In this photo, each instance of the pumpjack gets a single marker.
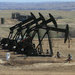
(22, 42)
(5, 41)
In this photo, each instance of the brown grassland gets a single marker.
(21, 65)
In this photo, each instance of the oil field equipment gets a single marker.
(22, 41)
(11, 38)
(4, 41)
(2, 21)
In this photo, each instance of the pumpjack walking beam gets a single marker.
(43, 22)
(66, 31)
(29, 24)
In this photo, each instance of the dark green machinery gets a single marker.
(2, 21)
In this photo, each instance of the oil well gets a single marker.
(20, 38)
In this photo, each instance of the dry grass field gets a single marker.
(67, 17)
(21, 65)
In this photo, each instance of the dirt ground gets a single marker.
(21, 65)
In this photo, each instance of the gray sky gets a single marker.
(36, 0)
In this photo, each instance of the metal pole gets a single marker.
(41, 49)
(50, 43)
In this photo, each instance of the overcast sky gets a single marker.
(36, 0)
